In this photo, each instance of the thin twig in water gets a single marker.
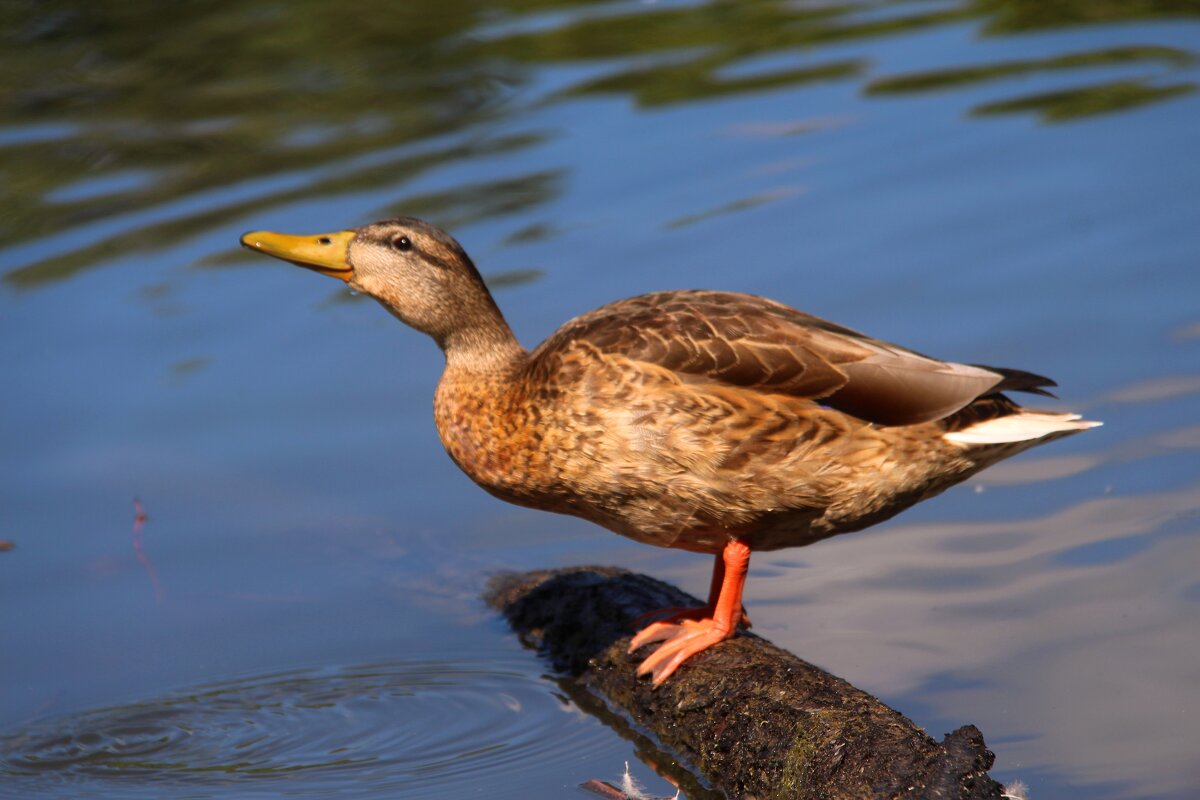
(604, 789)
(629, 789)
(139, 519)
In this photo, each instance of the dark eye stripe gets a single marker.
(438, 261)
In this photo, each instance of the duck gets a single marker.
(709, 421)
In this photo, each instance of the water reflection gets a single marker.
(1086, 101)
(172, 222)
(210, 98)
(951, 78)
(106, 119)
(1062, 105)
(393, 727)
(744, 204)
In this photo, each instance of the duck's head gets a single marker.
(417, 271)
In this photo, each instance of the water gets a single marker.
(999, 182)
(411, 727)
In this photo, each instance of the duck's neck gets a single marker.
(474, 399)
(481, 349)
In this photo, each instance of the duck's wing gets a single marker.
(761, 345)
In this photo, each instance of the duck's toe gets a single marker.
(667, 622)
(654, 632)
(680, 643)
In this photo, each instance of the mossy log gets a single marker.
(753, 720)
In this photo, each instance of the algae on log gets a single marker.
(754, 720)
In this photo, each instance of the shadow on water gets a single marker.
(388, 727)
(237, 108)
(648, 752)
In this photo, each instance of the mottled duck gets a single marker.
(708, 421)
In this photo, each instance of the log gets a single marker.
(752, 719)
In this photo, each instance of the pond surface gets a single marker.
(294, 612)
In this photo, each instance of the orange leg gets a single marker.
(689, 633)
(673, 614)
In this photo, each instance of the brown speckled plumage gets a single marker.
(660, 418)
(687, 419)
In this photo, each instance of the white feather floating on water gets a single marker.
(629, 789)
(1016, 790)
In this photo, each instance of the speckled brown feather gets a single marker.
(684, 419)
(759, 344)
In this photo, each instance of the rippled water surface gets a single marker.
(408, 728)
(236, 562)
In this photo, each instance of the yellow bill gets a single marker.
(326, 253)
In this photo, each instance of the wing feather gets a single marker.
(758, 344)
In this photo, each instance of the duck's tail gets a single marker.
(1024, 425)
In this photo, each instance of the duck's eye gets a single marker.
(402, 243)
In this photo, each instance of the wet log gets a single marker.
(752, 719)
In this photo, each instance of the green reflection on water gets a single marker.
(223, 94)
(229, 109)
(1088, 100)
(953, 78)
(1016, 16)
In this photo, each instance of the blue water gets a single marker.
(996, 182)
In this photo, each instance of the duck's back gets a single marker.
(760, 345)
(684, 418)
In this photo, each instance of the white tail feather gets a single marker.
(1022, 427)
